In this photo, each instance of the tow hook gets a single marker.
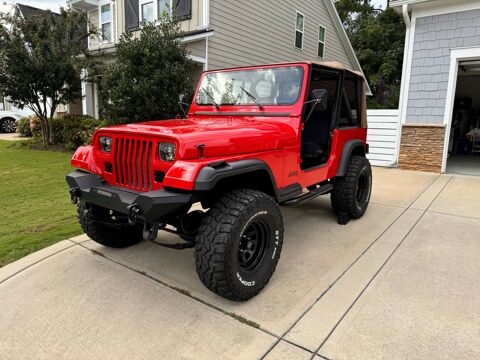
(133, 211)
(150, 230)
(74, 194)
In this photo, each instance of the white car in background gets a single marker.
(8, 121)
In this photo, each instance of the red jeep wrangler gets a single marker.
(254, 138)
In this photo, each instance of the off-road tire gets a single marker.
(345, 197)
(220, 260)
(92, 225)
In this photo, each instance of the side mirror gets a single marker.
(183, 106)
(321, 98)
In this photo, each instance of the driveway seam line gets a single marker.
(282, 337)
(381, 267)
(454, 215)
(38, 261)
(298, 346)
(322, 356)
(183, 292)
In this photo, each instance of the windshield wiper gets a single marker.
(211, 97)
(252, 97)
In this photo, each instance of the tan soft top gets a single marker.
(329, 64)
(336, 65)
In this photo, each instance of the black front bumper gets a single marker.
(153, 205)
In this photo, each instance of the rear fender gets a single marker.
(352, 147)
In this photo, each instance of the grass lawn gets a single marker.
(36, 209)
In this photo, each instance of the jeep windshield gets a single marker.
(267, 86)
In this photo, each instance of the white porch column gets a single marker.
(87, 96)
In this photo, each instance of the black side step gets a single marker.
(322, 190)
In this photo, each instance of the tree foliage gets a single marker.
(41, 57)
(377, 37)
(151, 71)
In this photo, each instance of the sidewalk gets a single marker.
(11, 137)
(402, 282)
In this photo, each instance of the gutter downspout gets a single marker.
(403, 87)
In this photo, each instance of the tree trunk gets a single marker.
(46, 130)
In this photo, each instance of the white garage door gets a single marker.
(383, 137)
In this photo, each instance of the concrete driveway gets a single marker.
(402, 282)
(11, 137)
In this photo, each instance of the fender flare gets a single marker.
(210, 175)
(347, 151)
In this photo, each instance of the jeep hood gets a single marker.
(220, 135)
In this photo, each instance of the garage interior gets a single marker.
(464, 141)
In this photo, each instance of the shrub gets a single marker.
(69, 130)
(77, 130)
(23, 127)
(36, 128)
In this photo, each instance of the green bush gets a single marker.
(23, 127)
(69, 130)
(35, 128)
(77, 130)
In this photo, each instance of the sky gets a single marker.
(54, 5)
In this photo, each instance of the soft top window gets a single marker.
(262, 86)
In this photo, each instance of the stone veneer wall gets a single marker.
(421, 147)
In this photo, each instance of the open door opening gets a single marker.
(464, 140)
(318, 117)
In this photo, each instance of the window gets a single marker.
(147, 11)
(321, 41)
(299, 25)
(350, 109)
(106, 21)
(164, 8)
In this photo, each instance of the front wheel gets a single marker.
(351, 193)
(107, 228)
(239, 243)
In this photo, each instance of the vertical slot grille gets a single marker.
(132, 163)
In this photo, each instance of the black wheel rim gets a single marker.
(362, 187)
(253, 245)
(8, 126)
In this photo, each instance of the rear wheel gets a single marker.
(239, 243)
(351, 193)
(8, 125)
(107, 228)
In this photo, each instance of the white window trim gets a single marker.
(302, 32)
(324, 40)
(156, 15)
(112, 35)
(155, 10)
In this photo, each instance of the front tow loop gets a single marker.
(150, 230)
(133, 211)
(74, 194)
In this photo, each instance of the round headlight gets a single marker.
(167, 151)
(106, 143)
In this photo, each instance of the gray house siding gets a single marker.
(196, 48)
(435, 36)
(261, 32)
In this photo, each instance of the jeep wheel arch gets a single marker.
(254, 174)
(352, 147)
